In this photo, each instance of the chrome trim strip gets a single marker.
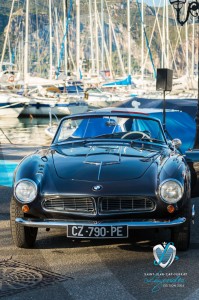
(193, 212)
(99, 171)
(130, 223)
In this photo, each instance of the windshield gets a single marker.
(110, 127)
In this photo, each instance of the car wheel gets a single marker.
(23, 237)
(180, 235)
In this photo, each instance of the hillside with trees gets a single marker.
(116, 11)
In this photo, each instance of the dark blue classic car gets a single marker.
(105, 173)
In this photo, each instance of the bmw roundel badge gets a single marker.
(97, 188)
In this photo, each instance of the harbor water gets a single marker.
(24, 131)
(19, 137)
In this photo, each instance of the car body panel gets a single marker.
(103, 163)
(108, 173)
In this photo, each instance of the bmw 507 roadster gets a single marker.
(105, 173)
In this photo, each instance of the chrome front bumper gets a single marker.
(130, 223)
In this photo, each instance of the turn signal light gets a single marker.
(25, 208)
(170, 209)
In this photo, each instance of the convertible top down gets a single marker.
(105, 173)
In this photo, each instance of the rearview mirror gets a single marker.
(177, 143)
(111, 123)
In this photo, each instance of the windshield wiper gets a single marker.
(104, 135)
(72, 141)
(149, 139)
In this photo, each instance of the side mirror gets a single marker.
(177, 143)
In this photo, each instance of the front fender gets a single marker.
(32, 167)
(175, 167)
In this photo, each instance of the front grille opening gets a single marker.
(76, 205)
(125, 204)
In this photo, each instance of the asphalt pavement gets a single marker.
(61, 268)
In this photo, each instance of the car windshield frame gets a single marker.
(101, 115)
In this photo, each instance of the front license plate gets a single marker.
(79, 231)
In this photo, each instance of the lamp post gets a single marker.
(192, 10)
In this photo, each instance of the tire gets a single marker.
(180, 235)
(23, 237)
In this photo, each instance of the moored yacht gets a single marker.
(11, 105)
(97, 98)
(41, 99)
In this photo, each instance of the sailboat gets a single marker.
(40, 104)
(11, 105)
(38, 99)
(42, 100)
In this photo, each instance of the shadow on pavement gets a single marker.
(5, 195)
(139, 240)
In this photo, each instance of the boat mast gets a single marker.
(21, 64)
(142, 34)
(78, 38)
(57, 37)
(38, 42)
(105, 46)
(193, 46)
(26, 48)
(7, 33)
(187, 48)
(129, 37)
(163, 36)
(50, 38)
(102, 38)
(91, 34)
(116, 42)
(167, 35)
(65, 40)
(110, 43)
(96, 37)
(10, 53)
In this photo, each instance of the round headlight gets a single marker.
(26, 190)
(171, 191)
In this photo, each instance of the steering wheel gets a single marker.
(143, 134)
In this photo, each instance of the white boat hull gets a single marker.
(99, 100)
(61, 108)
(11, 105)
(13, 112)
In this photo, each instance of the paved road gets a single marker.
(70, 269)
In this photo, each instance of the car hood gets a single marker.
(103, 163)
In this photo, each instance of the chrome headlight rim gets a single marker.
(26, 180)
(172, 180)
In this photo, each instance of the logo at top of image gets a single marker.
(164, 255)
(96, 188)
